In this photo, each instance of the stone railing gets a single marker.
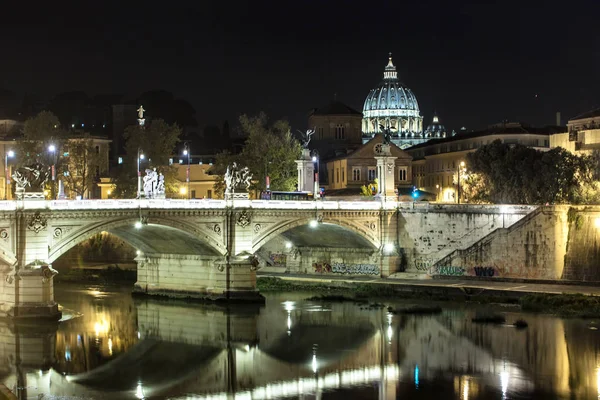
(123, 204)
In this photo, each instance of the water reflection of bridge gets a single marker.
(297, 348)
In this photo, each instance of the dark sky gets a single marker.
(475, 64)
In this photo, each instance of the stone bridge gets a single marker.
(207, 248)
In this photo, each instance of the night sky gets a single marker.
(475, 64)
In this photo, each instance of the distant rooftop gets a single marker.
(335, 108)
(588, 114)
(514, 128)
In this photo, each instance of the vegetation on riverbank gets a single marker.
(112, 274)
(564, 305)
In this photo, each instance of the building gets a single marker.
(436, 163)
(435, 129)
(349, 173)
(392, 105)
(582, 136)
(337, 129)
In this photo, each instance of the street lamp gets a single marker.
(52, 150)
(140, 156)
(8, 154)
(186, 152)
(460, 166)
(439, 192)
(315, 159)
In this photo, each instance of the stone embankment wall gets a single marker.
(555, 243)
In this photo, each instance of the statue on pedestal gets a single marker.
(387, 134)
(306, 137)
(154, 184)
(30, 181)
(236, 178)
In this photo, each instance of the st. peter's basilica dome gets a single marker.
(393, 105)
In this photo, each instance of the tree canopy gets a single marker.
(270, 150)
(515, 174)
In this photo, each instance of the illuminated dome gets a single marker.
(393, 105)
(435, 129)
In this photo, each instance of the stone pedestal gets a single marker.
(201, 277)
(386, 167)
(306, 172)
(29, 293)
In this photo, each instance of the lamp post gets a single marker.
(315, 159)
(439, 192)
(8, 154)
(140, 156)
(460, 166)
(186, 152)
(52, 150)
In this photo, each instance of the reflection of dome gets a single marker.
(393, 105)
(435, 129)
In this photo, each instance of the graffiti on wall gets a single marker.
(341, 268)
(484, 271)
(361, 269)
(423, 264)
(278, 259)
(447, 270)
(322, 268)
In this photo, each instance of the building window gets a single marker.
(342, 174)
(402, 173)
(372, 175)
(120, 160)
(356, 174)
(339, 132)
(209, 194)
(97, 149)
(337, 175)
(320, 132)
(193, 194)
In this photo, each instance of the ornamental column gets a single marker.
(306, 172)
(386, 165)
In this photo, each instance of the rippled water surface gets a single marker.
(112, 346)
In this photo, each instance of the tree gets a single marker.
(83, 165)
(515, 174)
(39, 133)
(270, 150)
(157, 141)
(370, 190)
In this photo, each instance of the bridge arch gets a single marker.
(158, 235)
(369, 239)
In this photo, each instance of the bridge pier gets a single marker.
(196, 276)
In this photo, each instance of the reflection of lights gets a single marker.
(79, 340)
(67, 353)
(598, 380)
(289, 322)
(296, 388)
(110, 346)
(139, 391)
(139, 335)
(138, 225)
(289, 305)
(315, 365)
(597, 222)
(313, 223)
(416, 375)
(389, 328)
(466, 389)
(101, 328)
(504, 383)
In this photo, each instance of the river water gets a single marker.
(110, 345)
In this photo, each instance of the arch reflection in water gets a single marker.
(216, 352)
